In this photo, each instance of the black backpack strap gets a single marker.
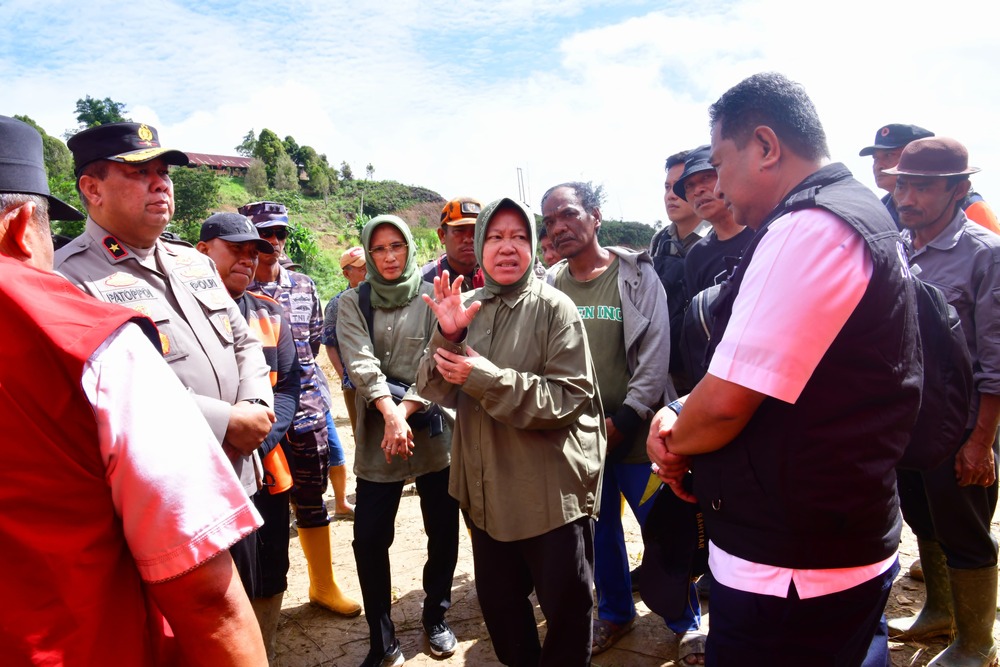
(365, 303)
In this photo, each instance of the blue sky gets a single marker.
(456, 95)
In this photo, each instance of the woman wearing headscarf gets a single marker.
(382, 330)
(512, 359)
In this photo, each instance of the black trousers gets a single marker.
(937, 509)
(834, 630)
(374, 530)
(262, 557)
(272, 543)
(559, 566)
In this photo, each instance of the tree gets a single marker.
(292, 149)
(248, 145)
(58, 159)
(268, 149)
(91, 112)
(319, 179)
(256, 179)
(306, 157)
(345, 172)
(286, 174)
(369, 171)
(196, 193)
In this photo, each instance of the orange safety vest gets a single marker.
(265, 323)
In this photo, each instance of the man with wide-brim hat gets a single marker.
(22, 169)
(890, 140)
(950, 508)
(95, 415)
(23, 181)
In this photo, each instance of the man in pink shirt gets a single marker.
(814, 385)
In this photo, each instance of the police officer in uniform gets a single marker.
(124, 183)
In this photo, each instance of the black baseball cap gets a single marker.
(697, 160)
(121, 142)
(235, 228)
(22, 167)
(895, 135)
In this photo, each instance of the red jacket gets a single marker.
(73, 594)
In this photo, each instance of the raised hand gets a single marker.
(452, 315)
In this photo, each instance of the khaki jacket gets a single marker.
(529, 431)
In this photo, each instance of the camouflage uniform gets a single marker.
(308, 436)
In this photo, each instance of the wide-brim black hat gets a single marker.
(121, 142)
(22, 167)
(697, 160)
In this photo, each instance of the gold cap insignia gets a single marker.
(145, 133)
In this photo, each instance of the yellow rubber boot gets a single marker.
(323, 588)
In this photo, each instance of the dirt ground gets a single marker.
(311, 637)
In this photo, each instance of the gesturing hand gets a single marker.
(452, 315)
(455, 368)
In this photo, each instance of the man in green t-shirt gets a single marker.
(624, 309)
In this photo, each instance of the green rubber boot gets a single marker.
(936, 618)
(975, 596)
(268, 613)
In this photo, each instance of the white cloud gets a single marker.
(455, 95)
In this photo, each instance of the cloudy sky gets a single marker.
(458, 95)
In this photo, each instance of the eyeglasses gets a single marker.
(393, 248)
(281, 233)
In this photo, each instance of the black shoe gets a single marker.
(441, 639)
(393, 657)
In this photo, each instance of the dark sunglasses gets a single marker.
(281, 233)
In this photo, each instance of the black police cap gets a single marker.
(121, 142)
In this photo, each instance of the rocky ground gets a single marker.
(311, 637)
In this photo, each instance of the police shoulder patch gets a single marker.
(114, 247)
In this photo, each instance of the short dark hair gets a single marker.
(676, 159)
(589, 196)
(542, 232)
(773, 100)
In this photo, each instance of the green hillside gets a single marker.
(324, 227)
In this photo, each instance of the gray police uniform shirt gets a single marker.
(204, 338)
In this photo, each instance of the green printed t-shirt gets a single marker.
(600, 306)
